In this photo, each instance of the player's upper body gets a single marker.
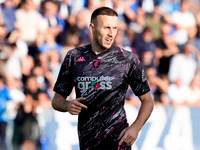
(101, 73)
(103, 80)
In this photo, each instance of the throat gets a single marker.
(98, 49)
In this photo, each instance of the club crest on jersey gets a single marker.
(96, 63)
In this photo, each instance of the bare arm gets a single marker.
(129, 135)
(74, 107)
(145, 110)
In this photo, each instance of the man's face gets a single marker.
(104, 31)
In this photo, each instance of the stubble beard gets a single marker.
(103, 48)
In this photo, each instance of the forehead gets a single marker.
(107, 20)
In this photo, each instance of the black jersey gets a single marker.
(103, 80)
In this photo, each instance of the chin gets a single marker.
(107, 46)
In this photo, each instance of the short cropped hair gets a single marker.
(103, 11)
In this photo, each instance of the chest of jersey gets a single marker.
(94, 73)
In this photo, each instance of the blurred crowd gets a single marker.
(35, 35)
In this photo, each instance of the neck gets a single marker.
(97, 49)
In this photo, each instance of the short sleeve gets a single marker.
(65, 80)
(137, 77)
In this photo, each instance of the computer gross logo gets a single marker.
(95, 83)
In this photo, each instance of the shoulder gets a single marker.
(79, 50)
(130, 57)
(73, 54)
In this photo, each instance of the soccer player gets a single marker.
(101, 73)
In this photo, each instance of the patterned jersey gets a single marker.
(103, 80)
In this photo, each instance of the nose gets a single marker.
(110, 32)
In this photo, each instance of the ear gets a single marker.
(91, 28)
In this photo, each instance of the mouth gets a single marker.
(109, 41)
